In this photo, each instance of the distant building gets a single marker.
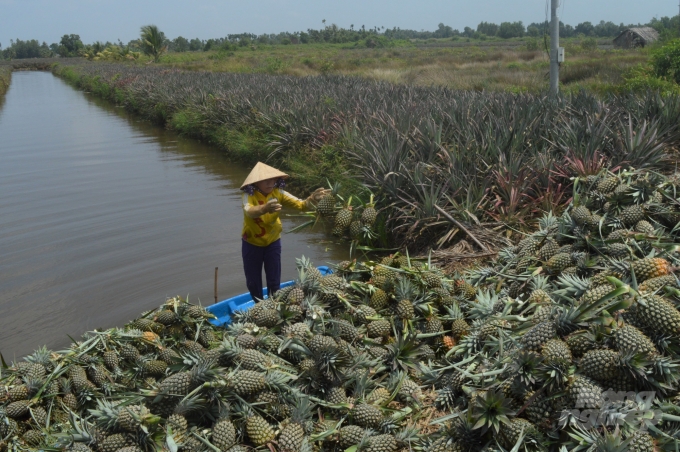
(636, 37)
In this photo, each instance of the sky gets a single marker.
(110, 20)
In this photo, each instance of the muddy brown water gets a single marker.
(103, 216)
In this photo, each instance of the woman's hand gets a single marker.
(271, 206)
(318, 194)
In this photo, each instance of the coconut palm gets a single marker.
(153, 42)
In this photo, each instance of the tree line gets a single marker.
(376, 36)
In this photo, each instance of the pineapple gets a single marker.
(548, 250)
(584, 393)
(630, 339)
(658, 314)
(631, 215)
(223, 434)
(538, 335)
(259, 431)
(350, 435)
(18, 409)
(246, 382)
(651, 268)
(296, 296)
(382, 443)
(510, 433)
(378, 328)
(404, 294)
(601, 365)
(556, 351)
(653, 284)
(369, 215)
(608, 184)
(115, 442)
(326, 205)
(111, 360)
(366, 415)
(580, 215)
(559, 262)
(645, 227)
(379, 299)
(459, 328)
(292, 435)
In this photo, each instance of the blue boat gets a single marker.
(225, 308)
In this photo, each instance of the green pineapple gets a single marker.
(18, 409)
(404, 295)
(641, 442)
(366, 415)
(459, 328)
(223, 434)
(658, 314)
(601, 365)
(653, 284)
(115, 442)
(336, 395)
(548, 250)
(369, 214)
(350, 435)
(378, 328)
(608, 184)
(296, 296)
(259, 431)
(645, 227)
(246, 382)
(584, 393)
(382, 443)
(33, 438)
(379, 396)
(326, 205)
(630, 339)
(510, 433)
(580, 215)
(167, 317)
(631, 215)
(293, 433)
(538, 335)
(559, 262)
(556, 351)
(379, 299)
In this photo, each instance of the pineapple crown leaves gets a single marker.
(107, 413)
(404, 352)
(491, 409)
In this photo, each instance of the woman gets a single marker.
(263, 198)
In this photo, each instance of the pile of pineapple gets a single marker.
(393, 355)
(354, 222)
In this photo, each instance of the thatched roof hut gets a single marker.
(636, 37)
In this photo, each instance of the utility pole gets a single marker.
(556, 52)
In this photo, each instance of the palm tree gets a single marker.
(153, 42)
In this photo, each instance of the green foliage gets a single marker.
(5, 77)
(153, 42)
(26, 49)
(70, 46)
(589, 44)
(666, 61)
(642, 79)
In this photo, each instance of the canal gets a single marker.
(103, 216)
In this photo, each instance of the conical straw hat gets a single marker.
(262, 172)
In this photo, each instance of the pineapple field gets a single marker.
(486, 159)
(567, 340)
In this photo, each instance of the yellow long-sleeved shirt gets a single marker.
(266, 229)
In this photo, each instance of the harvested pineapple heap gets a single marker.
(394, 355)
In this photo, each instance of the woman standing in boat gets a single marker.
(263, 197)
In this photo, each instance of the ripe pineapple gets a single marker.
(644, 227)
(608, 184)
(559, 262)
(246, 382)
(654, 284)
(350, 435)
(18, 409)
(404, 294)
(648, 268)
(556, 351)
(548, 250)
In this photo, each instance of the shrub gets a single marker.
(666, 61)
(589, 44)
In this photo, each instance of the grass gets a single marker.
(493, 65)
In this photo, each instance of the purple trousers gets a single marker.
(254, 257)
